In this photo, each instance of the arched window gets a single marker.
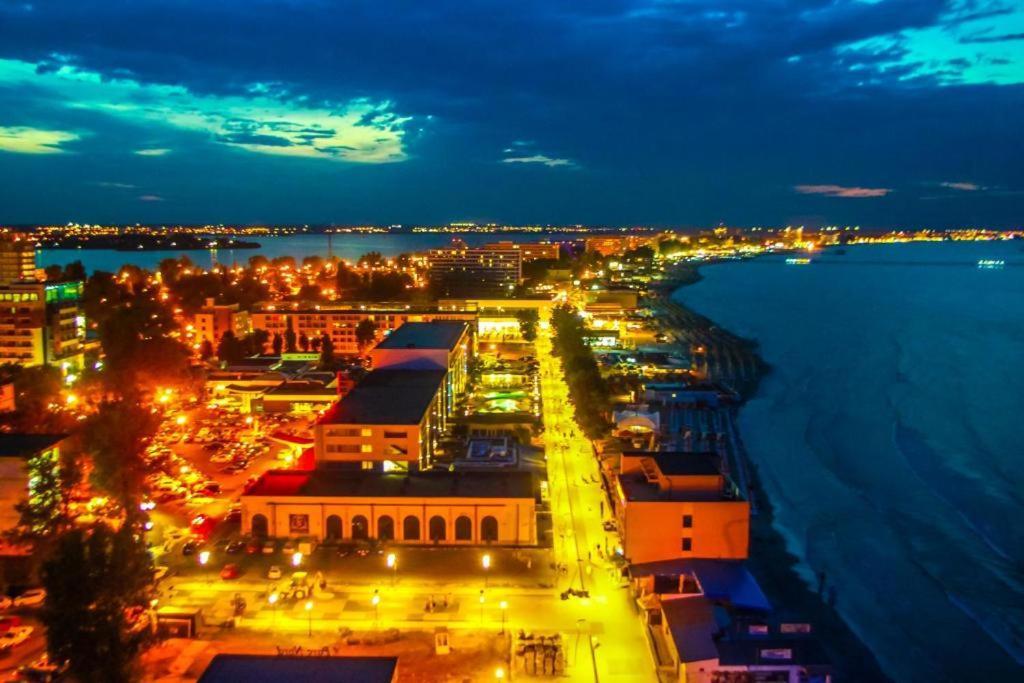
(463, 528)
(488, 529)
(333, 528)
(438, 531)
(385, 528)
(259, 526)
(411, 528)
(360, 528)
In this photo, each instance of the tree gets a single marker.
(326, 351)
(304, 342)
(115, 438)
(528, 320)
(230, 349)
(95, 580)
(371, 259)
(289, 337)
(35, 389)
(277, 344)
(206, 350)
(366, 334)
(53, 475)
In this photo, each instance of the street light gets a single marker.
(204, 558)
(296, 559)
(504, 606)
(486, 561)
(499, 673)
(309, 617)
(376, 607)
(392, 562)
(272, 599)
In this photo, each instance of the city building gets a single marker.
(678, 505)
(437, 345)
(531, 251)
(612, 245)
(42, 323)
(231, 668)
(464, 271)
(213, 320)
(340, 322)
(424, 508)
(17, 258)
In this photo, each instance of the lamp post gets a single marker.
(204, 558)
(392, 562)
(376, 608)
(504, 607)
(486, 562)
(309, 618)
(483, 599)
(272, 599)
(296, 559)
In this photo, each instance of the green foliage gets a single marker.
(528, 319)
(588, 390)
(93, 580)
(45, 514)
(366, 333)
(115, 437)
(35, 389)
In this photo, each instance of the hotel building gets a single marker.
(462, 271)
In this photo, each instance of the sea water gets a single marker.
(890, 437)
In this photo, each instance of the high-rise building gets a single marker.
(531, 251)
(464, 271)
(17, 258)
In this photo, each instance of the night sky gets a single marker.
(891, 113)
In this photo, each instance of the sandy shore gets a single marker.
(771, 562)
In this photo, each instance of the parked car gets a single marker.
(230, 571)
(189, 548)
(289, 547)
(5, 603)
(269, 548)
(41, 669)
(274, 572)
(254, 547)
(235, 547)
(33, 597)
(160, 572)
(15, 636)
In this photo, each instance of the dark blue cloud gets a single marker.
(665, 112)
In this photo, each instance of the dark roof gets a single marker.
(770, 651)
(692, 623)
(25, 445)
(686, 464)
(277, 668)
(358, 484)
(388, 397)
(301, 388)
(725, 581)
(439, 334)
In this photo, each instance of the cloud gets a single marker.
(963, 187)
(358, 130)
(992, 39)
(841, 191)
(113, 185)
(150, 198)
(153, 152)
(551, 162)
(28, 140)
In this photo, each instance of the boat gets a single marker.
(797, 261)
(991, 264)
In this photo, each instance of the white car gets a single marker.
(14, 636)
(274, 572)
(160, 572)
(33, 597)
(5, 603)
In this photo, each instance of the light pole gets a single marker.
(393, 566)
(483, 599)
(309, 618)
(376, 608)
(204, 558)
(504, 607)
(296, 559)
(272, 599)
(486, 562)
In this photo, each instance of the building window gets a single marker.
(298, 524)
(366, 432)
(687, 545)
(366, 448)
(411, 528)
(687, 521)
(394, 435)
(463, 528)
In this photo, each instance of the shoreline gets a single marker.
(771, 562)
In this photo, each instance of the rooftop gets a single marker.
(726, 581)
(275, 668)
(388, 397)
(680, 463)
(439, 334)
(327, 483)
(26, 445)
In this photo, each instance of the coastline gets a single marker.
(771, 562)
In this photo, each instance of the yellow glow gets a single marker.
(25, 140)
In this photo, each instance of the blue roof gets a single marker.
(726, 581)
(316, 669)
(439, 334)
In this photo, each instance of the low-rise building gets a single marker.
(213, 320)
(679, 505)
(18, 453)
(437, 345)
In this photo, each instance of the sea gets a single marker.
(347, 246)
(889, 435)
